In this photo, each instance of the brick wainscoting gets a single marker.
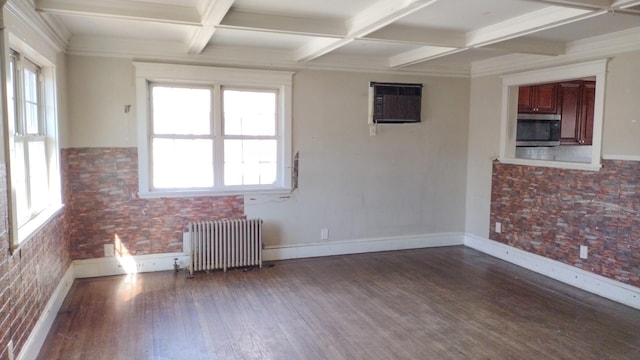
(28, 276)
(100, 192)
(551, 212)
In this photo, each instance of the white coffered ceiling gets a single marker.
(395, 35)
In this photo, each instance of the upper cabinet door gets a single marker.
(525, 99)
(540, 99)
(570, 93)
(586, 112)
(576, 104)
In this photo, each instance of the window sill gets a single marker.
(198, 193)
(552, 164)
(26, 231)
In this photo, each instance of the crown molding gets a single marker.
(52, 32)
(581, 50)
(242, 56)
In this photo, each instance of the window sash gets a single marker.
(217, 78)
(191, 168)
(30, 162)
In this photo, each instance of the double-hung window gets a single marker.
(205, 130)
(33, 161)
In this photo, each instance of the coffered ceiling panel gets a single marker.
(392, 35)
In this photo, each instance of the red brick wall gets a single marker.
(29, 276)
(551, 212)
(100, 189)
(98, 186)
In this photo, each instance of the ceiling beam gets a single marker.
(213, 12)
(621, 6)
(584, 4)
(529, 23)
(374, 17)
(118, 9)
(498, 36)
(421, 54)
(626, 6)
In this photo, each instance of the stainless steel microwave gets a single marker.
(538, 130)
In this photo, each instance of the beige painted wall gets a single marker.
(620, 133)
(407, 180)
(484, 147)
(98, 90)
(62, 103)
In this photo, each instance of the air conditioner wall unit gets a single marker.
(395, 102)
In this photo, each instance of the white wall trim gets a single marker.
(40, 331)
(622, 157)
(596, 284)
(585, 280)
(361, 246)
(117, 265)
(510, 84)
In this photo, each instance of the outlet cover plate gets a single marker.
(584, 250)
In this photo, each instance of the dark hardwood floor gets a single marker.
(438, 303)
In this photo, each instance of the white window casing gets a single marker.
(47, 201)
(217, 79)
(510, 84)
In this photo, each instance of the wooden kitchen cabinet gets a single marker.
(576, 102)
(538, 99)
(588, 104)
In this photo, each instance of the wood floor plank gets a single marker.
(440, 303)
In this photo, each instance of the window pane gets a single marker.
(19, 182)
(11, 91)
(31, 101)
(183, 111)
(249, 113)
(268, 173)
(31, 118)
(250, 162)
(233, 174)
(38, 179)
(233, 151)
(180, 163)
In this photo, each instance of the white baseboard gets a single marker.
(38, 335)
(361, 246)
(605, 287)
(621, 157)
(585, 280)
(117, 265)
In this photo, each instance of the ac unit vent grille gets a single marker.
(396, 102)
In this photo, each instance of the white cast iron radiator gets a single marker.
(225, 244)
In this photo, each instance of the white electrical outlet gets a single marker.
(109, 250)
(324, 234)
(10, 353)
(498, 227)
(584, 251)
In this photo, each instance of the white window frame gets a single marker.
(147, 73)
(510, 85)
(49, 122)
